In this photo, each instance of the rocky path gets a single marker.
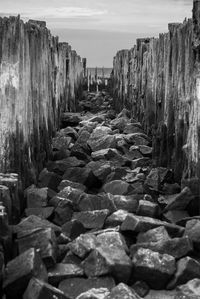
(103, 222)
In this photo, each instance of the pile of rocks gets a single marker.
(103, 222)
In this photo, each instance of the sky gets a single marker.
(97, 29)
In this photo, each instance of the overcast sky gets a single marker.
(98, 28)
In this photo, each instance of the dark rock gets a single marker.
(43, 240)
(19, 271)
(70, 119)
(43, 213)
(142, 224)
(100, 169)
(38, 289)
(61, 166)
(147, 208)
(179, 201)
(170, 189)
(92, 219)
(69, 131)
(158, 176)
(117, 187)
(32, 223)
(175, 216)
(154, 268)
(49, 179)
(72, 229)
(61, 142)
(63, 271)
(153, 235)
(81, 175)
(187, 269)
(37, 197)
(117, 218)
(128, 203)
(105, 154)
(137, 139)
(73, 287)
(63, 212)
(141, 288)
(123, 291)
(66, 183)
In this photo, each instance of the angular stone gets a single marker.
(153, 235)
(72, 229)
(43, 240)
(176, 247)
(128, 203)
(33, 223)
(170, 189)
(43, 213)
(105, 154)
(192, 230)
(82, 245)
(141, 288)
(190, 290)
(100, 169)
(61, 142)
(145, 150)
(109, 257)
(187, 269)
(117, 187)
(37, 197)
(154, 268)
(49, 179)
(19, 271)
(175, 216)
(102, 142)
(123, 291)
(63, 271)
(70, 119)
(115, 219)
(179, 201)
(73, 287)
(67, 183)
(132, 128)
(69, 131)
(137, 139)
(38, 289)
(92, 219)
(147, 208)
(61, 166)
(63, 212)
(157, 176)
(80, 175)
(100, 293)
(142, 224)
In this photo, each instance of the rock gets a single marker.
(109, 257)
(37, 197)
(190, 290)
(141, 288)
(43, 240)
(73, 287)
(73, 228)
(179, 201)
(82, 245)
(100, 169)
(147, 208)
(100, 293)
(61, 142)
(117, 187)
(132, 128)
(63, 212)
(69, 131)
(70, 119)
(71, 258)
(117, 218)
(142, 224)
(105, 154)
(158, 176)
(175, 216)
(19, 271)
(118, 123)
(49, 179)
(192, 230)
(61, 166)
(92, 219)
(153, 294)
(145, 150)
(153, 235)
(140, 162)
(170, 189)
(33, 223)
(154, 268)
(63, 271)
(123, 291)
(187, 269)
(81, 175)
(102, 142)
(128, 203)
(176, 247)
(43, 213)
(38, 289)
(67, 183)
(137, 139)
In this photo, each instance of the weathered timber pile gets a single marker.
(39, 78)
(103, 222)
(158, 79)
